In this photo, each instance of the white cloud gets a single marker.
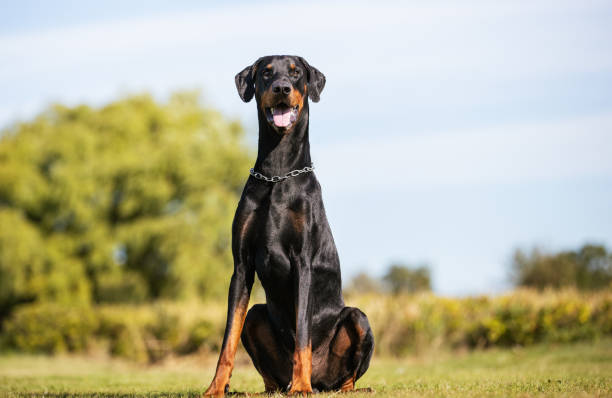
(508, 37)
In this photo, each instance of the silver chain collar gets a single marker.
(293, 173)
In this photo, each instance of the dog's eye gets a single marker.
(294, 73)
(266, 73)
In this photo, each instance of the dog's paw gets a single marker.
(299, 389)
(215, 391)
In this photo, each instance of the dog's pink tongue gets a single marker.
(282, 116)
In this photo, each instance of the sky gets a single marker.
(448, 133)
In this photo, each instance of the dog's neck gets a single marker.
(278, 154)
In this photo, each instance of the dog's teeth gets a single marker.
(272, 109)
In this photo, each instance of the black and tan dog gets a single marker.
(304, 338)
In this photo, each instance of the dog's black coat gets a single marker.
(303, 337)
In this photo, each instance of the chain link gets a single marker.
(292, 173)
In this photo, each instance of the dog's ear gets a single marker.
(316, 81)
(245, 82)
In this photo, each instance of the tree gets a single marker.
(588, 268)
(403, 279)
(364, 283)
(33, 269)
(131, 201)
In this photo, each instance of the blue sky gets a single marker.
(448, 133)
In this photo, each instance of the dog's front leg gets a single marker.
(239, 292)
(302, 356)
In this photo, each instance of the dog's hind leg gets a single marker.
(350, 351)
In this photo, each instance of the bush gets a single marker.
(402, 325)
(203, 334)
(50, 329)
(413, 323)
(145, 333)
(124, 330)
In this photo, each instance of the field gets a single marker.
(580, 369)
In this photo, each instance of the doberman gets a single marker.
(304, 338)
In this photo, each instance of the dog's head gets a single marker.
(281, 85)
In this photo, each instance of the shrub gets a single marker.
(203, 334)
(402, 324)
(50, 329)
(123, 328)
(413, 323)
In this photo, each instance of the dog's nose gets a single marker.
(281, 87)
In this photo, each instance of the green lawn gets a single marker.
(583, 369)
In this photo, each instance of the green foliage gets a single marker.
(203, 334)
(588, 268)
(402, 279)
(122, 287)
(33, 268)
(143, 334)
(412, 323)
(50, 329)
(363, 283)
(124, 329)
(402, 324)
(126, 203)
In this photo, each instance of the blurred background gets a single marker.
(462, 148)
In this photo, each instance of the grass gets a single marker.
(582, 369)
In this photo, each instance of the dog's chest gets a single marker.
(280, 234)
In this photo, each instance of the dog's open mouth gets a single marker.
(281, 115)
